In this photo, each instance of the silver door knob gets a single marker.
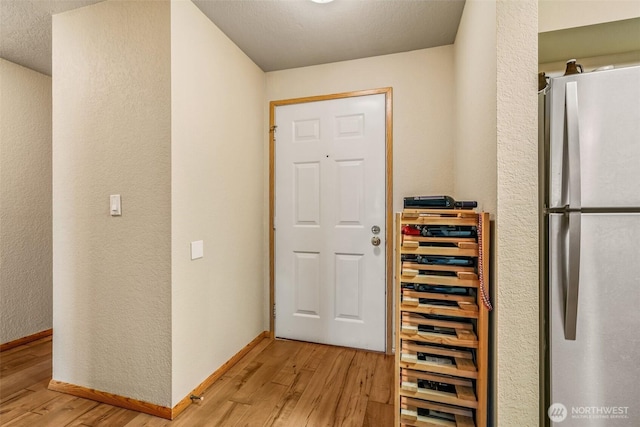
(375, 241)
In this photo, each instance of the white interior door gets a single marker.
(329, 193)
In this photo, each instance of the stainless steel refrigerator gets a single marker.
(591, 223)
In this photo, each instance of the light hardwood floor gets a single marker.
(278, 383)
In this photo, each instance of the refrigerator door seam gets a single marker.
(598, 210)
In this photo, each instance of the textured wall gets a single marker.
(475, 88)
(112, 135)
(560, 14)
(423, 111)
(475, 159)
(517, 231)
(217, 196)
(25, 202)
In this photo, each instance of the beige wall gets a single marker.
(496, 160)
(609, 43)
(475, 96)
(561, 14)
(475, 159)
(25, 202)
(517, 313)
(217, 196)
(112, 135)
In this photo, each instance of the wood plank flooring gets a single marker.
(278, 383)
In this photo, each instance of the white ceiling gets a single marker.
(25, 30)
(275, 34)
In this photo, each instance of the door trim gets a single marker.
(389, 197)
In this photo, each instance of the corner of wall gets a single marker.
(517, 306)
(475, 97)
(111, 135)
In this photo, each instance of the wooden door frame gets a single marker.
(388, 92)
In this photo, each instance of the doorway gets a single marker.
(330, 210)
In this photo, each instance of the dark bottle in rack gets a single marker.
(438, 260)
(437, 202)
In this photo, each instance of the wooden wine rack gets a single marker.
(461, 400)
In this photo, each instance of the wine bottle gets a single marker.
(429, 202)
(437, 202)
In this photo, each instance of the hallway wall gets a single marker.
(112, 135)
(217, 97)
(25, 202)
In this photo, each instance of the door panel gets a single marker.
(348, 283)
(609, 124)
(307, 284)
(306, 131)
(350, 192)
(330, 163)
(599, 369)
(350, 126)
(307, 193)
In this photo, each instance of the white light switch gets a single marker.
(197, 249)
(114, 205)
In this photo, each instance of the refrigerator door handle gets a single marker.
(573, 142)
(573, 279)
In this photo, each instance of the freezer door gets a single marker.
(594, 138)
(595, 378)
